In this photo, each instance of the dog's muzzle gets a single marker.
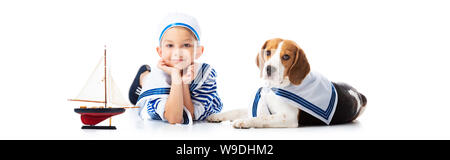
(270, 69)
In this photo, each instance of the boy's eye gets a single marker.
(169, 45)
(187, 45)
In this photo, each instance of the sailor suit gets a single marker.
(156, 89)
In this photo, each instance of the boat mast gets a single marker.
(106, 96)
(106, 92)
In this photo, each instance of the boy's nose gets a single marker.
(176, 52)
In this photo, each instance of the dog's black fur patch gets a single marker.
(346, 108)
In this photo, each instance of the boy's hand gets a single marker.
(169, 70)
(163, 66)
(189, 74)
(182, 65)
(174, 72)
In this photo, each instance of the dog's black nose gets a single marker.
(270, 69)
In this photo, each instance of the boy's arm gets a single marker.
(187, 78)
(173, 110)
(187, 101)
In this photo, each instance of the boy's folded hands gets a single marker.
(186, 70)
(163, 66)
(189, 74)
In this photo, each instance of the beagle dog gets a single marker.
(293, 95)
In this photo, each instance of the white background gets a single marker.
(395, 52)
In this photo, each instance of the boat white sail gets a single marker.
(116, 97)
(100, 88)
(94, 89)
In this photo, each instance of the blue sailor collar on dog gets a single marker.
(316, 95)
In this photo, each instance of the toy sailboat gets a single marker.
(100, 88)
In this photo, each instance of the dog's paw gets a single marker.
(242, 124)
(215, 118)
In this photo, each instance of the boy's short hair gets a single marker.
(179, 20)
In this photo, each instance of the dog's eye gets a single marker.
(267, 53)
(286, 57)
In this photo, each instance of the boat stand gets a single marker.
(99, 127)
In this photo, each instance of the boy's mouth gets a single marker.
(177, 60)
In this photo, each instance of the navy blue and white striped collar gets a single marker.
(316, 95)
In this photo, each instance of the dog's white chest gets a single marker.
(272, 103)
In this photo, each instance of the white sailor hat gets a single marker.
(179, 19)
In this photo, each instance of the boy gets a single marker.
(178, 90)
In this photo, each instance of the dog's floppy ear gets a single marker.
(259, 58)
(259, 63)
(300, 67)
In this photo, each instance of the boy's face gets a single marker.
(177, 45)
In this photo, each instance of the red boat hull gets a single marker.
(93, 116)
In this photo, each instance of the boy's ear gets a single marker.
(158, 49)
(199, 52)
